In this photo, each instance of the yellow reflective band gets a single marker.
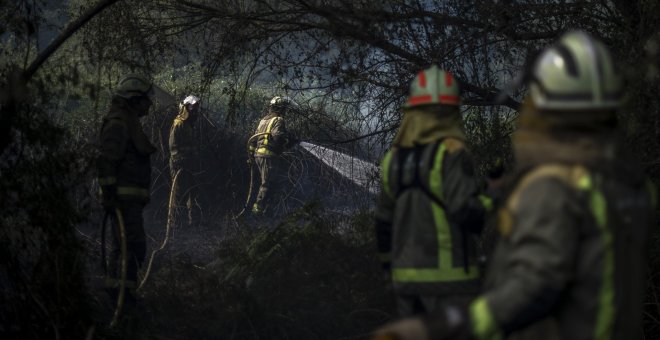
(268, 128)
(487, 202)
(606, 312)
(446, 271)
(263, 151)
(436, 172)
(443, 232)
(443, 235)
(434, 274)
(385, 173)
(107, 180)
(132, 191)
(484, 326)
(585, 182)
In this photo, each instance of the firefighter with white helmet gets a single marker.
(266, 146)
(184, 160)
(573, 228)
(430, 207)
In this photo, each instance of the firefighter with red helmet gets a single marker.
(570, 260)
(430, 208)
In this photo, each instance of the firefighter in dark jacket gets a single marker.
(270, 140)
(430, 209)
(124, 174)
(184, 161)
(573, 229)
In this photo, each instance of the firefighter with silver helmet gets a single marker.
(573, 228)
(184, 163)
(267, 144)
(430, 208)
(124, 175)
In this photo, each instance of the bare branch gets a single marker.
(66, 34)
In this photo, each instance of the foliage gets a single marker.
(43, 293)
(348, 63)
(314, 276)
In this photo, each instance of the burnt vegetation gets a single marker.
(313, 273)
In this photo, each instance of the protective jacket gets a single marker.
(427, 216)
(273, 137)
(571, 253)
(124, 167)
(182, 141)
(184, 160)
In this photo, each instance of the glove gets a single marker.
(250, 160)
(404, 329)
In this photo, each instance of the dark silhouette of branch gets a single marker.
(355, 139)
(13, 92)
(66, 34)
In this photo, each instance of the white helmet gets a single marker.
(284, 101)
(576, 73)
(192, 100)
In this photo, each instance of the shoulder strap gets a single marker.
(434, 188)
(427, 173)
(385, 166)
(575, 176)
(269, 127)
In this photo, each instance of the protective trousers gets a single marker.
(187, 209)
(272, 175)
(135, 245)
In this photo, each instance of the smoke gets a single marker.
(360, 172)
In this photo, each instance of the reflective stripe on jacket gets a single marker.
(428, 213)
(182, 140)
(274, 138)
(570, 261)
(124, 164)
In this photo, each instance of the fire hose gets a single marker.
(123, 266)
(251, 169)
(170, 218)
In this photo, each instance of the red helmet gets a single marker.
(433, 86)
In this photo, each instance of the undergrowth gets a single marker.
(313, 276)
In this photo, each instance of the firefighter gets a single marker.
(124, 174)
(430, 209)
(270, 140)
(184, 160)
(571, 256)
